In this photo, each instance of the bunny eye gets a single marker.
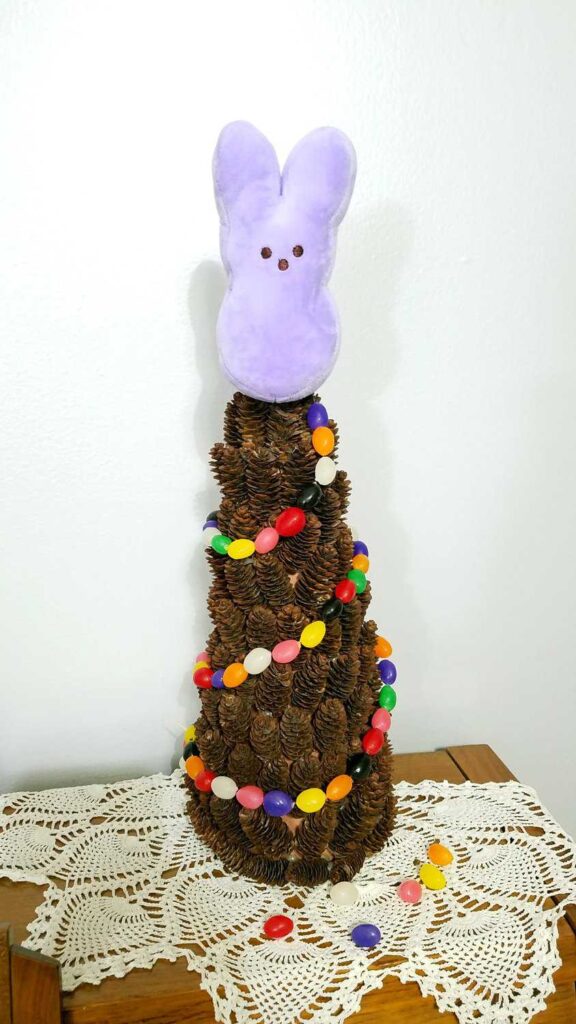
(297, 250)
(265, 253)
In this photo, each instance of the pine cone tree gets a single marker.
(293, 727)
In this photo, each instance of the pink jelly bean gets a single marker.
(410, 891)
(382, 719)
(266, 540)
(203, 656)
(250, 797)
(286, 651)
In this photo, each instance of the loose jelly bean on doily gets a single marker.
(278, 927)
(410, 891)
(344, 894)
(432, 877)
(366, 935)
(440, 855)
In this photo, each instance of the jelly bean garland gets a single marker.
(289, 523)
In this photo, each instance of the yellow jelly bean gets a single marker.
(440, 855)
(313, 634)
(361, 562)
(190, 734)
(310, 800)
(241, 548)
(432, 877)
(200, 664)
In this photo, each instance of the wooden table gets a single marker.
(169, 994)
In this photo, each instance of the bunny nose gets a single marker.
(282, 264)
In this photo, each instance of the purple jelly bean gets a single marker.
(210, 522)
(317, 416)
(366, 935)
(360, 548)
(387, 670)
(277, 803)
(218, 679)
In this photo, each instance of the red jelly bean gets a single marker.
(345, 591)
(203, 780)
(203, 678)
(278, 926)
(372, 741)
(290, 522)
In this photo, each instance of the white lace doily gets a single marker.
(136, 884)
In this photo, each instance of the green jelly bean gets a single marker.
(220, 543)
(387, 698)
(359, 579)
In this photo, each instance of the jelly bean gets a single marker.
(339, 787)
(250, 797)
(290, 522)
(241, 548)
(366, 935)
(203, 780)
(325, 471)
(212, 515)
(372, 741)
(344, 894)
(278, 927)
(203, 656)
(257, 660)
(209, 535)
(432, 877)
(277, 803)
(224, 787)
(382, 648)
(381, 719)
(323, 440)
(218, 679)
(286, 651)
(203, 678)
(220, 543)
(210, 524)
(201, 664)
(266, 540)
(309, 497)
(440, 855)
(387, 670)
(410, 891)
(387, 698)
(360, 548)
(234, 675)
(190, 733)
(359, 766)
(361, 563)
(345, 591)
(317, 416)
(331, 610)
(313, 634)
(358, 579)
(193, 766)
(190, 749)
(311, 800)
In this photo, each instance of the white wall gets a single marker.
(454, 391)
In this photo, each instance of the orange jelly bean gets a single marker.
(440, 855)
(339, 787)
(234, 675)
(323, 440)
(193, 765)
(361, 562)
(382, 648)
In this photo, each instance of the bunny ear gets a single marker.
(246, 172)
(319, 174)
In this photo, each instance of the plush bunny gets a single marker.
(278, 333)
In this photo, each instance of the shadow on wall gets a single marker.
(373, 247)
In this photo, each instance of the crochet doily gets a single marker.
(129, 882)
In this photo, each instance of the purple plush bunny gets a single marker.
(278, 334)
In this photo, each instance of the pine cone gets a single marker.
(305, 773)
(242, 583)
(264, 483)
(343, 675)
(334, 763)
(342, 486)
(344, 868)
(243, 522)
(360, 706)
(242, 765)
(291, 621)
(213, 750)
(274, 775)
(225, 513)
(317, 580)
(209, 700)
(330, 724)
(329, 514)
(315, 832)
(232, 434)
(309, 681)
(365, 598)
(304, 872)
(273, 581)
(234, 713)
(225, 815)
(287, 425)
(228, 469)
(251, 417)
(295, 733)
(261, 630)
(351, 624)
(231, 623)
(265, 736)
(267, 834)
(296, 552)
(219, 587)
(299, 470)
(273, 688)
(332, 642)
